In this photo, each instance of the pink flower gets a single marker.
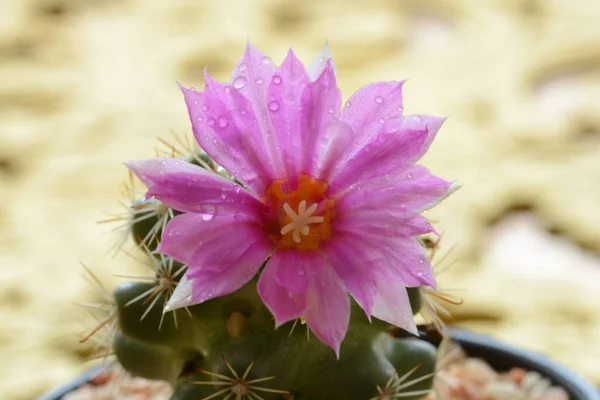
(331, 195)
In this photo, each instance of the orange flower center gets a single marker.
(302, 216)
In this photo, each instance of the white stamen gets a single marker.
(301, 221)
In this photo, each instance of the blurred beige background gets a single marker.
(87, 84)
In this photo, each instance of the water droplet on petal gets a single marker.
(382, 120)
(223, 122)
(348, 103)
(416, 118)
(276, 79)
(378, 99)
(211, 122)
(207, 217)
(209, 209)
(273, 105)
(331, 110)
(267, 61)
(239, 82)
(227, 89)
(409, 175)
(242, 67)
(259, 81)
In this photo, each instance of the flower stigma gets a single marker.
(302, 217)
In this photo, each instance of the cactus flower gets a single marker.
(329, 201)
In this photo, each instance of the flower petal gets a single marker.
(291, 270)
(397, 144)
(283, 304)
(318, 65)
(392, 305)
(376, 284)
(328, 312)
(402, 194)
(319, 113)
(189, 188)
(285, 94)
(361, 253)
(206, 241)
(223, 252)
(355, 269)
(389, 153)
(252, 78)
(225, 126)
(242, 268)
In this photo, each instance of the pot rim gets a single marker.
(499, 355)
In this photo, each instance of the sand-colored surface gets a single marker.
(85, 85)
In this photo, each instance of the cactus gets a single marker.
(242, 341)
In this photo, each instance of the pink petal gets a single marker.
(318, 65)
(391, 223)
(252, 77)
(223, 252)
(398, 143)
(225, 126)
(374, 277)
(189, 188)
(284, 97)
(240, 270)
(362, 114)
(187, 235)
(393, 306)
(399, 257)
(328, 313)
(401, 194)
(319, 113)
(284, 305)
(291, 270)
(355, 269)
(388, 153)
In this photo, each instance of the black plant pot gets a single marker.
(500, 356)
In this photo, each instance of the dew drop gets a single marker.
(276, 79)
(211, 122)
(409, 175)
(331, 110)
(207, 217)
(382, 120)
(239, 82)
(223, 122)
(209, 208)
(259, 81)
(273, 105)
(348, 103)
(416, 118)
(267, 61)
(378, 99)
(243, 67)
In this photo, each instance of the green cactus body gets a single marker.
(232, 333)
